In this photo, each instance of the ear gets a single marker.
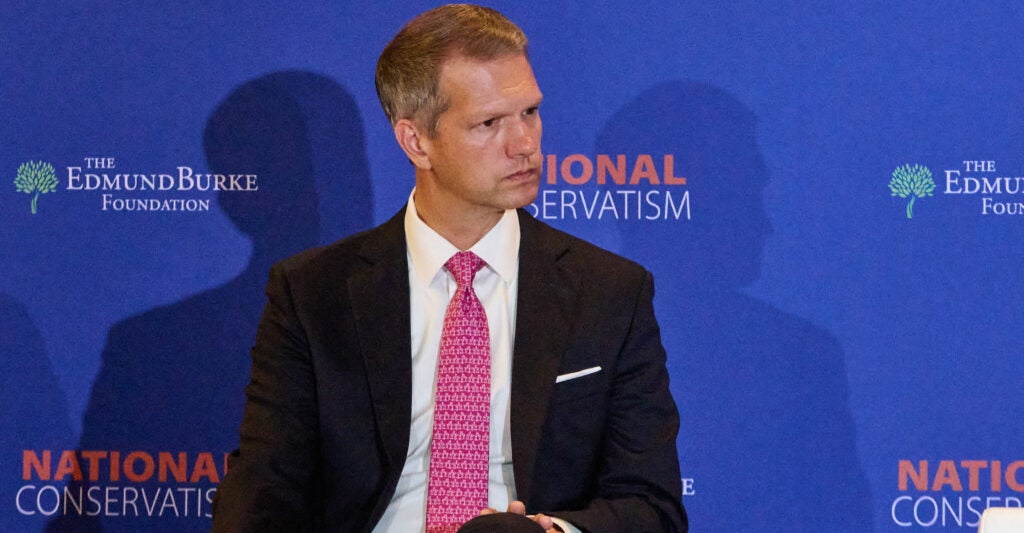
(414, 143)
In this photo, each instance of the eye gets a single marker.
(531, 111)
(489, 122)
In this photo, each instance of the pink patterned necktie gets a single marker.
(457, 488)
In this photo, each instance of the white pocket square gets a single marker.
(577, 374)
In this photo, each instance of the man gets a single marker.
(353, 383)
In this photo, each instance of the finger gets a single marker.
(517, 507)
(544, 521)
(487, 511)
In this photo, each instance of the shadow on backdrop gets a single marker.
(766, 430)
(35, 413)
(172, 378)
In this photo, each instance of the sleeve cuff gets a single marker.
(564, 526)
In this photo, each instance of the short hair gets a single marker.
(409, 68)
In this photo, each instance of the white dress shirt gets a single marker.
(430, 289)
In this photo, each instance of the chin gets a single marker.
(526, 198)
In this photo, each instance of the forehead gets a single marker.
(472, 85)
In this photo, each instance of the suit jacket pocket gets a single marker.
(580, 387)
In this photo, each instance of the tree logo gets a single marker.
(913, 181)
(36, 177)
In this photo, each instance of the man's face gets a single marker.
(486, 156)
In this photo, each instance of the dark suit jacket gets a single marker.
(326, 426)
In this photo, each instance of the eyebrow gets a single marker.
(486, 113)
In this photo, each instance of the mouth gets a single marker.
(524, 175)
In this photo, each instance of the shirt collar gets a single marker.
(428, 250)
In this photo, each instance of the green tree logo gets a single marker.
(913, 181)
(36, 177)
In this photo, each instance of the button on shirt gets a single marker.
(430, 289)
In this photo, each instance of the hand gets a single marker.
(519, 508)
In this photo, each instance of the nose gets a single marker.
(524, 139)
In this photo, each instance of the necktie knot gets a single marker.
(464, 266)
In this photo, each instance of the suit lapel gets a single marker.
(545, 304)
(380, 303)
(546, 300)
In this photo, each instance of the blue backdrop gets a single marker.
(842, 362)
